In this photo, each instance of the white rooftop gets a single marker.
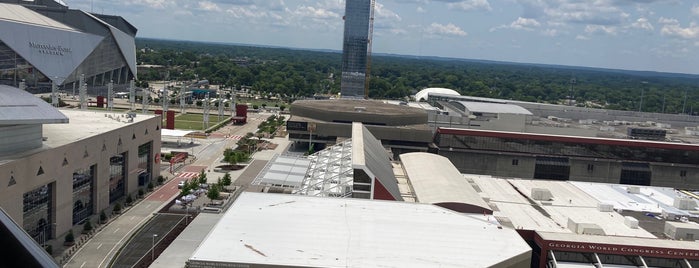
(513, 199)
(649, 199)
(495, 108)
(85, 124)
(21, 14)
(436, 180)
(18, 107)
(294, 230)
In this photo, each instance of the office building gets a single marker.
(355, 46)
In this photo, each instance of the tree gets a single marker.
(226, 181)
(128, 200)
(117, 208)
(202, 177)
(185, 189)
(213, 193)
(103, 217)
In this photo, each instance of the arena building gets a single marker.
(61, 166)
(400, 127)
(44, 42)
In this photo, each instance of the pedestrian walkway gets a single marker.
(98, 251)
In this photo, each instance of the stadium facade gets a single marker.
(47, 42)
(355, 46)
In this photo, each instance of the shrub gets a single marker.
(87, 227)
(161, 179)
(69, 237)
(103, 216)
(140, 192)
(226, 181)
(49, 249)
(128, 199)
(117, 208)
(150, 186)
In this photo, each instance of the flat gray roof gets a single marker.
(18, 107)
(495, 108)
(85, 124)
(436, 180)
(306, 231)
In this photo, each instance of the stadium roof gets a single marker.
(21, 14)
(435, 180)
(305, 231)
(18, 107)
(494, 108)
(423, 94)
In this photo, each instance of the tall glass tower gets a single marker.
(354, 48)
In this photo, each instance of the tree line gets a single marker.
(295, 73)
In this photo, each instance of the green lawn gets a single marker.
(194, 121)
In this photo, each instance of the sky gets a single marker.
(647, 35)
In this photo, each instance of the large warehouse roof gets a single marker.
(435, 180)
(18, 107)
(303, 231)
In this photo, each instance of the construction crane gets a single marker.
(368, 50)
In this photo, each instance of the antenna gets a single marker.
(570, 94)
(368, 52)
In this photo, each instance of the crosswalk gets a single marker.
(235, 137)
(188, 175)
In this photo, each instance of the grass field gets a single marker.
(194, 121)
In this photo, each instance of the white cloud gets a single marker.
(209, 6)
(241, 12)
(381, 13)
(550, 32)
(695, 10)
(519, 24)
(315, 13)
(642, 23)
(469, 5)
(436, 29)
(663, 20)
(420, 10)
(675, 30)
(581, 37)
(593, 29)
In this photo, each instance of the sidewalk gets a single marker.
(101, 248)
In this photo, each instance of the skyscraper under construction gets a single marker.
(356, 47)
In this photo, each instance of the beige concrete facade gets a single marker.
(91, 138)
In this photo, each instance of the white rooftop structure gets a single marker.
(435, 180)
(303, 231)
(285, 171)
(423, 94)
(569, 204)
(18, 107)
(356, 167)
(493, 108)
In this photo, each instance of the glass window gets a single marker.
(117, 177)
(82, 193)
(144, 163)
(37, 213)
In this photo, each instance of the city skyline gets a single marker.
(654, 35)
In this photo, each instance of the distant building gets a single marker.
(43, 41)
(354, 48)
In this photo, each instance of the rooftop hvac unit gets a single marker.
(633, 190)
(604, 207)
(541, 194)
(631, 222)
(684, 203)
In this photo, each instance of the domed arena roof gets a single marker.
(422, 95)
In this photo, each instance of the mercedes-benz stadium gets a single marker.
(47, 42)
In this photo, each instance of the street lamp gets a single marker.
(152, 248)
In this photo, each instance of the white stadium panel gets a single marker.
(55, 52)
